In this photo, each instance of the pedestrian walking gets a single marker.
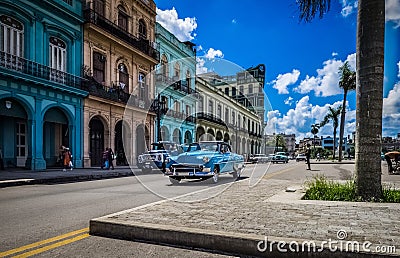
(318, 157)
(395, 155)
(67, 157)
(104, 159)
(110, 158)
(308, 155)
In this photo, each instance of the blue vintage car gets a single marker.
(205, 160)
(158, 156)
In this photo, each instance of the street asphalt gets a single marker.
(264, 219)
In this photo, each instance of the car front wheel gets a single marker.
(174, 181)
(215, 177)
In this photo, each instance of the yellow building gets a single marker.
(119, 57)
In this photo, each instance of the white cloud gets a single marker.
(391, 112)
(209, 56)
(183, 29)
(234, 21)
(299, 120)
(348, 7)
(334, 54)
(326, 83)
(393, 11)
(212, 53)
(289, 101)
(398, 65)
(282, 82)
(200, 68)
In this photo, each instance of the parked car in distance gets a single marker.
(207, 160)
(280, 158)
(258, 158)
(158, 156)
(300, 157)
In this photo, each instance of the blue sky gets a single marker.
(302, 59)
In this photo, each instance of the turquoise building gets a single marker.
(41, 96)
(175, 88)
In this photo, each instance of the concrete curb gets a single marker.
(65, 179)
(216, 241)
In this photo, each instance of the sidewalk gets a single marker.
(16, 176)
(265, 220)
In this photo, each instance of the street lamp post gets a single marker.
(159, 104)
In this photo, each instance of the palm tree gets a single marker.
(347, 82)
(314, 131)
(370, 63)
(334, 116)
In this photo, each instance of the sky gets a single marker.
(302, 59)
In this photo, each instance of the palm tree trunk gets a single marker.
(334, 143)
(370, 64)
(342, 122)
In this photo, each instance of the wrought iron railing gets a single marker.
(28, 67)
(140, 44)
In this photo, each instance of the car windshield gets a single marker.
(208, 146)
(168, 146)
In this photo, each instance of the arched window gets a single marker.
(57, 54)
(177, 71)
(123, 78)
(12, 36)
(142, 29)
(122, 18)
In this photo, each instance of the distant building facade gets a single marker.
(175, 88)
(221, 117)
(41, 95)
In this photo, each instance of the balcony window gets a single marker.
(219, 111)
(188, 79)
(142, 29)
(99, 66)
(211, 107)
(123, 78)
(250, 88)
(99, 7)
(12, 36)
(177, 71)
(58, 54)
(122, 18)
(226, 114)
(164, 66)
(227, 91)
(233, 92)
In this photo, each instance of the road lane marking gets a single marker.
(43, 242)
(49, 247)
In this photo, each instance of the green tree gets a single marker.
(280, 144)
(334, 116)
(314, 131)
(370, 64)
(347, 82)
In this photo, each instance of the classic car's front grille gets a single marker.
(186, 159)
(185, 168)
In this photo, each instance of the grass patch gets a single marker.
(320, 188)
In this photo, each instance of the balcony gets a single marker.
(211, 118)
(140, 44)
(182, 86)
(115, 93)
(39, 71)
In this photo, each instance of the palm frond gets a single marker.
(309, 8)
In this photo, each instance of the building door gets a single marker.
(21, 144)
(118, 145)
(96, 141)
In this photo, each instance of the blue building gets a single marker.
(41, 92)
(175, 87)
